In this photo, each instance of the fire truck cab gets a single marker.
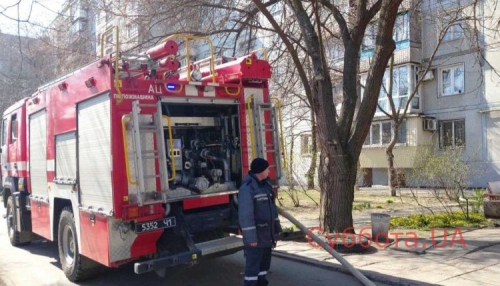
(135, 158)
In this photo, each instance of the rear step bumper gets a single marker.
(210, 248)
(167, 261)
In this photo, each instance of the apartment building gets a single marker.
(71, 36)
(21, 62)
(127, 17)
(456, 105)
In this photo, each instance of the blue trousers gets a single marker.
(258, 261)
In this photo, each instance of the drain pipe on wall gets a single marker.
(362, 278)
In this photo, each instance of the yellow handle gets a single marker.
(282, 139)
(117, 82)
(233, 93)
(125, 146)
(169, 124)
(264, 52)
(250, 121)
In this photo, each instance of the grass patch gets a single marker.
(286, 200)
(361, 206)
(428, 221)
(389, 201)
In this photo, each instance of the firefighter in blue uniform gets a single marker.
(259, 222)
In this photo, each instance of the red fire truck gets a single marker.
(138, 158)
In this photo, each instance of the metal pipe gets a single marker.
(329, 249)
(227, 174)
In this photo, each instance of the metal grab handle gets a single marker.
(169, 124)
(250, 121)
(117, 81)
(264, 52)
(125, 147)
(233, 93)
(282, 138)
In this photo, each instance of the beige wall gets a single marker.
(405, 156)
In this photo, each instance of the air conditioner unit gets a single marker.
(428, 76)
(430, 124)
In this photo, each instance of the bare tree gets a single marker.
(340, 137)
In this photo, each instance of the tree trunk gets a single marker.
(392, 177)
(337, 176)
(337, 169)
(314, 154)
(289, 171)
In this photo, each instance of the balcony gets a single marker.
(414, 141)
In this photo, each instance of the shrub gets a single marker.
(428, 221)
(361, 206)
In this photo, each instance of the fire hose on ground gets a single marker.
(329, 249)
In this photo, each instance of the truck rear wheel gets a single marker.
(76, 267)
(12, 224)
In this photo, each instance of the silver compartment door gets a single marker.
(94, 153)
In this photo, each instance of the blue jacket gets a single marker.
(257, 214)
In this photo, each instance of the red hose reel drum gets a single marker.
(170, 63)
(167, 48)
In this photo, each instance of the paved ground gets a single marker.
(37, 264)
(429, 262)
(476, 262)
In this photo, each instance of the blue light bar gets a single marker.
(171, 86)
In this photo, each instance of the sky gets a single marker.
(33, 15)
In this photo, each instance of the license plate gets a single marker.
(155, 225)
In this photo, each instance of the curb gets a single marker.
(372, 275)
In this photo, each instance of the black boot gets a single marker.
(262, 282)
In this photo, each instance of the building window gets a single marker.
(401, 34)
(455, 30)
(452, 80)
(381, 133)
(452, 133)
(132, 31)
(369, 39)
(404, 81)
(132, 8)
(305, 144)
(402, 28)
(400, 89)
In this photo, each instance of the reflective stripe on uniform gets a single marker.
(248, 228)
(259, 196)
(252, 278)
(262, 273)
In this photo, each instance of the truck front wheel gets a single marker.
(14, 234)
(76, 267)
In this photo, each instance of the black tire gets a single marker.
(11, 224)
(76, 267)
(14, 235)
